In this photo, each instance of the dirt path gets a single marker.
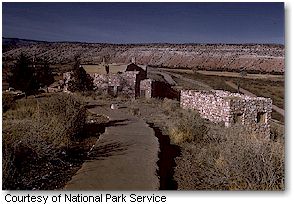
(168, 77)
(244, 91)
(192, 81)
(271, 77)
(124, 157)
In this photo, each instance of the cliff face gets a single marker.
(222, 57)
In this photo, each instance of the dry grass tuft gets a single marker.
(7, 101)
(188, 126)
(36, 130)
(217, 158)
(232, 159)
(135, 111)
(169, 106)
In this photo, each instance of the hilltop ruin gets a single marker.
(216, 105)
(124, 79)
(230, 108)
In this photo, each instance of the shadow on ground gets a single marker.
(103, 150)
(166, 162)
(114, 123)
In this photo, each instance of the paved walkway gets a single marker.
(124, 157)
(244, 91)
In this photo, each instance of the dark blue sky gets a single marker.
(146, 22)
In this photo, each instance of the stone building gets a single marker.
(126, 79)
(115, 79)
(150, 88)
(230, 108)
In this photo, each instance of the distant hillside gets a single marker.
(264, 58)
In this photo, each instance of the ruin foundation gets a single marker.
(230, 108)
(114, 84)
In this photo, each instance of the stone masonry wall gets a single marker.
(248, 111)
(230, 108)
(146, 85)
(209, 105)
(66, 79)
(123, 82)
(128, 83)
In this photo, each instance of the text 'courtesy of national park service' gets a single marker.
(80, 198)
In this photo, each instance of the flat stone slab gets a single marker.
(124, 157)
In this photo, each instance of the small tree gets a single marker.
(44, 74)
(23, 76)
(81, 81)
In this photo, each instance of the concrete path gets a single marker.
(124, 157)
(244, 91)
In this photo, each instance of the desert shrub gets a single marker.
(277, 131)
(7, 101)
(89, 94)
(134, 111)
(170, 106)
(153, 102)
(103, 96)
(22, 109)
(80, 79)
(97, 95)
(237, 161)
(190, 127)
(38, 130)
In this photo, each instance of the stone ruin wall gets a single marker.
(66, 80)
(128, 83)
(146, 85)
(100, 81)
(125, 82)
(209, 106)
(222, 106)
(250, 108)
